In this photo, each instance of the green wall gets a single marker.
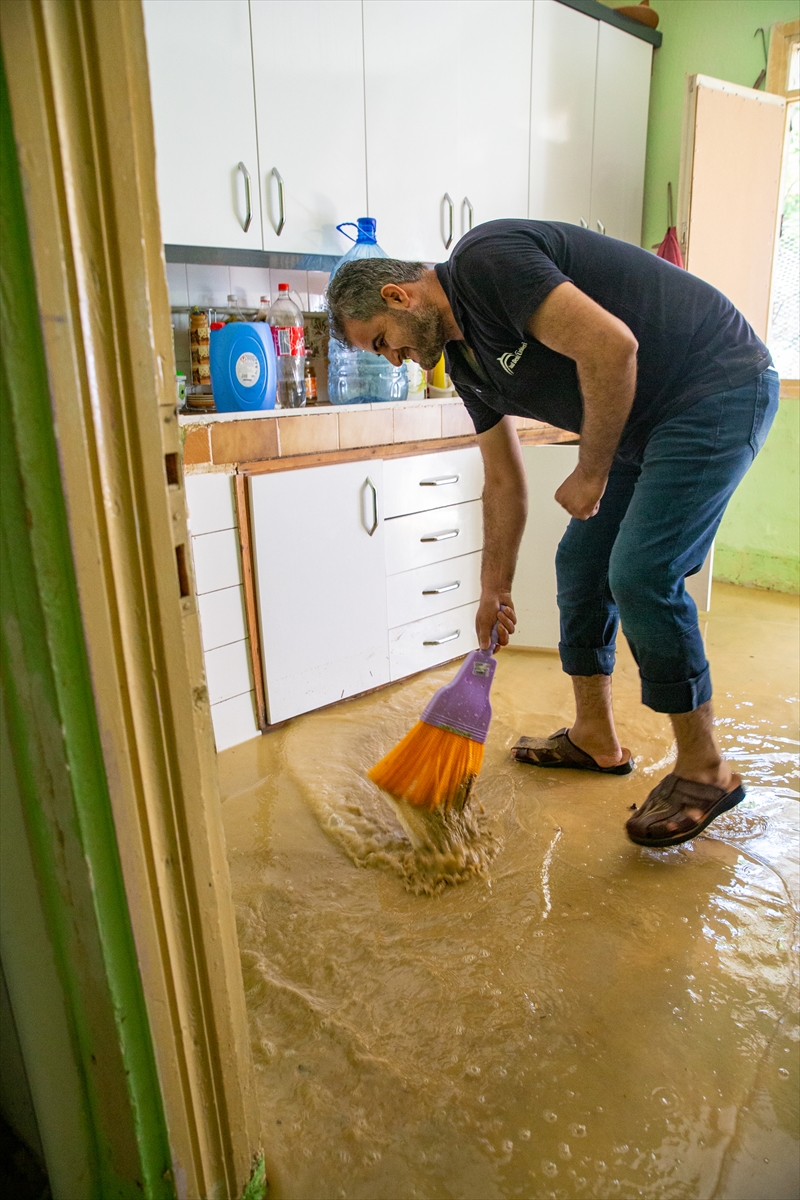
(759, 539)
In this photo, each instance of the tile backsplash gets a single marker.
(209, 285)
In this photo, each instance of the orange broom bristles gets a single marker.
(430, 767)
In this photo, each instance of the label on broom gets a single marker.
(480, 669)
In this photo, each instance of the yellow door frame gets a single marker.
(78, 87)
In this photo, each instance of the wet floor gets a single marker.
(536, 1008)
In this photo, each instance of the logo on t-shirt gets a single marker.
(511, 357)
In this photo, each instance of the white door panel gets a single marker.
(308, 63)
(201, 84)
(321, 585)
(562, 113)
(622, 98)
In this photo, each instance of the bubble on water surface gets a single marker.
(549, 1169)
(550, 1117)
(578, 1131)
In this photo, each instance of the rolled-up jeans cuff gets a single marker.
(577, 660)
(680, 697)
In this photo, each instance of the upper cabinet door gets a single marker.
(411, 114)
(489, 56)
(201, 84)
(309, 80)
(620, 133)
(562, 113)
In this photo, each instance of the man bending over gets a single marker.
(673, 396)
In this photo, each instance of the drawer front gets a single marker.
(412, 595)
(425, 481)
(432, 641)
(432, 537)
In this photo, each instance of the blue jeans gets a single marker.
(655, 526)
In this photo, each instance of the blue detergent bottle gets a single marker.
(355, 376)
(243, 368)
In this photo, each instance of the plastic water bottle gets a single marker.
(288, 336)
(356, 376)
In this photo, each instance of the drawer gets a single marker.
(432, 641)
(412, 595)
(425, 481)
(431, 537)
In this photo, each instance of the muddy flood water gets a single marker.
(530, 1006)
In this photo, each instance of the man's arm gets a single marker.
(505, 506)
(604, 349)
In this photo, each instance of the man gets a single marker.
(672, 394)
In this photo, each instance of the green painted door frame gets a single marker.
(67, 944)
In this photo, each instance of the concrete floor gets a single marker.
(530, 1006)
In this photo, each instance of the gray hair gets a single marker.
(354, 292)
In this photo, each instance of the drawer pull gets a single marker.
(448, 587)
(439, 480)
(440, 537)
(448, 637)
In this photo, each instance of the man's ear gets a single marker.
(395, 296)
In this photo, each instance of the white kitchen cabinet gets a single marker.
(431, 537)
(201, 84)
(447, 108)
(546, 468)
(564, 67)
(318, 543)
(432, 641)
(308, 70)
(622, 96)
(425, 481)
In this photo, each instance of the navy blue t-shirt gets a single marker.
(692, 341)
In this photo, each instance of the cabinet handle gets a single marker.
(448, 637)
(450, 209)
(466, 203)
(281, 201)
(439, 480)
(448, 587)
(440, 537)
(584, 224)
(247, 200)
(601, 226)
(374, 491)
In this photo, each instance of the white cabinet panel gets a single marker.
(217, 561)
(432, 641)
(489, 58)
(432, 537)
(228, 671)
(410, 111)
(546, 467)
(222, 617)
(622, 100)
(234, 721)
(201, 83)
(321, 585)
(209, 503)
(412, 595)
(425, 481)
(562, 112)
(308, 61)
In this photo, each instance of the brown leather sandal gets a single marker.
(558, 751)
(666, 807)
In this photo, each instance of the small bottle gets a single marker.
(234, 312)
(310, 380)
(288, 336)
(263, 309)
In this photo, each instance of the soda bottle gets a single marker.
(288, 336)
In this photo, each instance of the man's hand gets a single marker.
(580, 494)
(489, 613)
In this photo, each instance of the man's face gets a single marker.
(399, 333)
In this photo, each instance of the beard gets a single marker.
(424, 332)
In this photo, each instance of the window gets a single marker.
(783, 78)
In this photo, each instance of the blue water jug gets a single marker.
(355, 376)
(243, 369)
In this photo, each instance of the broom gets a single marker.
(437, 762)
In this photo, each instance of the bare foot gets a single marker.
(603, 753)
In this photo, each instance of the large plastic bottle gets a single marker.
(288, 336)
(355, 376)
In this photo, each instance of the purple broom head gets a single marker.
(462, 706)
